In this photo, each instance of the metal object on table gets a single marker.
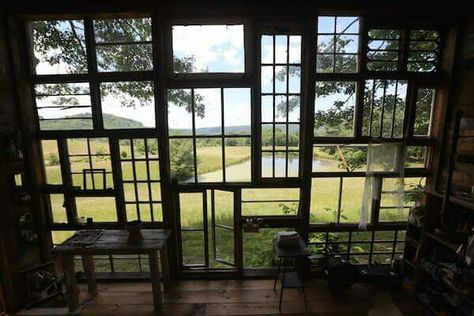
(289, 279)
(84, 238)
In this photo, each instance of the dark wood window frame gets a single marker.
(165, 79)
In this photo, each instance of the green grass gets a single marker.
(257, 247)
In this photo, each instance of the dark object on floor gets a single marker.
(341, 275)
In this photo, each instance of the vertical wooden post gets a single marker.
(72, 290)
(155, 276)
(89, 270)
(165, 265)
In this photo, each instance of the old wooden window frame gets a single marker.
(163, 79)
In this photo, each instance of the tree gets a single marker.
(181, 159)
(63, 43)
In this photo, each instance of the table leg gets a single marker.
(155, 278)
(165, 265)
(72, 290)
(89, 270)
(278, 274)
(282, 283)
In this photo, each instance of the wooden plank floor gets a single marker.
(246, 297)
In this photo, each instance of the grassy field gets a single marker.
(257, 247)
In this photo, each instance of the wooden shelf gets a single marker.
(409, 263)
(447, 243)
(412, 242)
(464, 202)
(20, 209)
(13, 167)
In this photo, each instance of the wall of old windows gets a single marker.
(369, 88)
(206, 127)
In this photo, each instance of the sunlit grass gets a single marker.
(257, 250)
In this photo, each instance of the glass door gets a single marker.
(207, 229)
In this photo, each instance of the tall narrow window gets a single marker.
(141, 179)
(51, 161)
(424, 110)
(338, 44)
(280, 105)
(424, 50)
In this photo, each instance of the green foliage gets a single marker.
(64, 42)
(52, 159)
(289, 209)
(181, 160)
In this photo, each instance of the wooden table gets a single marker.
(114, 242)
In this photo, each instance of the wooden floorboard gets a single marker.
(245, 298)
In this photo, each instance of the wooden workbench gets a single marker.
(114, 242)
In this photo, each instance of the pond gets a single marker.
(241, 171)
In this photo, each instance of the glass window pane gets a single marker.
(207, 111)
(324, 200)
(128, 104)
(59, 47)
(384, 108)
(123, 44)
(267, 49)
(100, 209)
(51, 161)
(340, 157)
(193, 247)
(58, 208)
(424, 108)
(337, 44)
(351, 200)
(282, 201)
(237, 159)
(334, 108)
(295, 49)
(191, 210)
(237, 111)
(64, 106)
(91, 167)
(209, 159)
(182, 160)
(180, 112)
(208, 48)
(383, 48)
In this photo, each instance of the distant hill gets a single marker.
(110, 121)
(242, 129)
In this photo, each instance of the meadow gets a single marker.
(257, 250)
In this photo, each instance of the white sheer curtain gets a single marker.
(383, 157)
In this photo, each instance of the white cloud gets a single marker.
(215, 47)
